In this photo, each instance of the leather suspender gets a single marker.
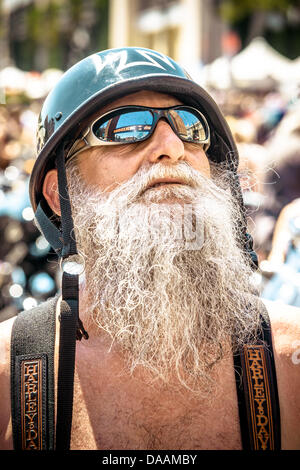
(32, 378)
(32, 385)
(258, 395)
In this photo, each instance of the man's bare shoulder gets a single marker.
(5, 335)
(5, 421)
(285, 326)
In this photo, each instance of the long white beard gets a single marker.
(173, 292)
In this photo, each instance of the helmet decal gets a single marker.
(98, 63)
(150, 60)
(153, 59)
(44, 131)
(40, 135)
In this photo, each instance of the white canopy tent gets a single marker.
(260, 61)
(12, 78)
(295, 70)
(257, 66)
(33, 84)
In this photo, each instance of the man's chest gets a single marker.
(142, 435)
(127, 418)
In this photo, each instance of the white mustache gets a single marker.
(145, 177)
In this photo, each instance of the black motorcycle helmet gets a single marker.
(86, 87)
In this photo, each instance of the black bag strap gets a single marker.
(49, 229)
(257, 393)
(32, 377)
(67, 346)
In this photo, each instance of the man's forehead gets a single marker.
(141, 98)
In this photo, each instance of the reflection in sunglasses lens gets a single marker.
(135, 125)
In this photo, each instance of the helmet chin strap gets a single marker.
(219, 147)
(71, 327)
(246, 238)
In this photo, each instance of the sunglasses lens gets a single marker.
(133, 125)
(189, 125)
(130, 126)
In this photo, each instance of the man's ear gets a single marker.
(50, 191)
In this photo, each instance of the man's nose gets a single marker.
(164, 144)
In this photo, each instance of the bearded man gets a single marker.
(136, 188)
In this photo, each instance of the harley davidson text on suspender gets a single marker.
(259, 400)
(32, 389)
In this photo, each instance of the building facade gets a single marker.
(189, 31)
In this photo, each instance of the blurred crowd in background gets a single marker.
(265, 121)
(27, 275)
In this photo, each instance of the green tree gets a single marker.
(48, 33)
(277, 20)
(234, 10)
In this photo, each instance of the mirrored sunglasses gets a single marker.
(131, 124)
